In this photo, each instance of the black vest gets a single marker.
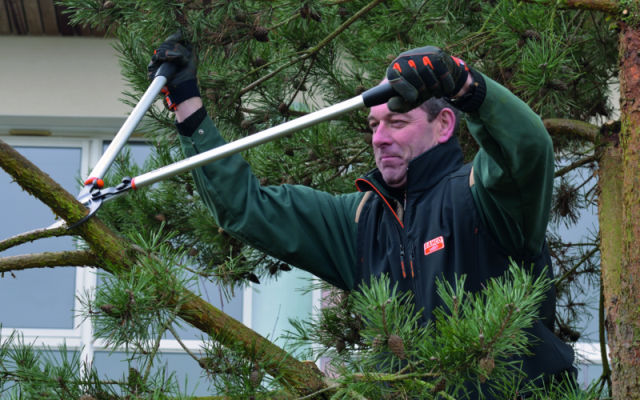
(441, 235)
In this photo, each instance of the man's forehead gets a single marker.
(381, 108)
(382, 111)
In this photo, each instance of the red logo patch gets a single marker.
(433, 245)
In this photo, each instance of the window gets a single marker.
(43, 301)
(588, 356)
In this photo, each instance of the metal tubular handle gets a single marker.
(375, 96)
(256, 139)
(128, 127)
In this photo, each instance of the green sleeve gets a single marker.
(307, 228)
(513, 171)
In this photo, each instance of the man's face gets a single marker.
(399, 138)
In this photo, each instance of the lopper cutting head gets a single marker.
(93, 195)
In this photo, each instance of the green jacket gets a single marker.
(317, 231)
(453, 219)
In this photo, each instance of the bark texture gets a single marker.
(116, 254)
(80, 258)
(33, 235)
(607, 6)
(571, 128)
(620, 227)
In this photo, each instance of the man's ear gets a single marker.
(446, 125)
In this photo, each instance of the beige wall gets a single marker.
(59, 77)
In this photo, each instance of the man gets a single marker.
(422, 214)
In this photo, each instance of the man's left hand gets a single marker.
(419, 74)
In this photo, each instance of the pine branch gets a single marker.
(607, 6)
(181, 343)
(314, 395)
(118, 255)
(382, 377)
(575, 165)
(606, 369)
(505, 323)
(156, 346)
(312, 51)
(77, 258)
(21, 376)
(573, 269)
(571, 128)
(35, 234)
(355, 395)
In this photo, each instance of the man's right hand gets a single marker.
(183, 84)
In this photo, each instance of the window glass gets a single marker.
(214, 295)
(209, 291)
(587, 373)
(37, 298)
(582, 231)
(276, 302)
(139, 151)
(188, 373)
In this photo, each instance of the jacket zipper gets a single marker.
(411, 263)
(404, 272)
(401, 229)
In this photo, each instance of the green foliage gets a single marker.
(236, 376)
(630, 11)
(134, 307)
(27, 373)
(472, 338)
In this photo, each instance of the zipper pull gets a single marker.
(404, 273)
(411, 264)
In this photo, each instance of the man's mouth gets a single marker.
(388, 157)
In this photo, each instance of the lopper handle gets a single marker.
(127, 129)
(378, 95)
(374, 96)
(167, 69)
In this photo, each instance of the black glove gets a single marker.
(419, 74)
(182, 84)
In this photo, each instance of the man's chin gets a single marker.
(394, 180)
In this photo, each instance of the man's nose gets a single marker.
(381, 135)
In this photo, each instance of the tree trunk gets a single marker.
(117, 254)
(620, 227)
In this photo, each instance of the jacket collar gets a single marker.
(423, 172)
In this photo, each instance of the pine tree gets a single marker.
(263, 63)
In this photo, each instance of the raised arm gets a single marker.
(513, 171)
(512, 176)
(310, 229)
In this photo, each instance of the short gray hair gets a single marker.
(434, 105)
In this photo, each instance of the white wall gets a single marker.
(59, 77)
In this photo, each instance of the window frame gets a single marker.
(72, 133)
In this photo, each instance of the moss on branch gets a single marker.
(571, 128)
(606, 6)
(79, 258)
(35, 234)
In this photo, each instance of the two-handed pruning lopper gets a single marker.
(93, 194)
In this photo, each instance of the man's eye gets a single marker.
(373, 126)
(398, 123)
